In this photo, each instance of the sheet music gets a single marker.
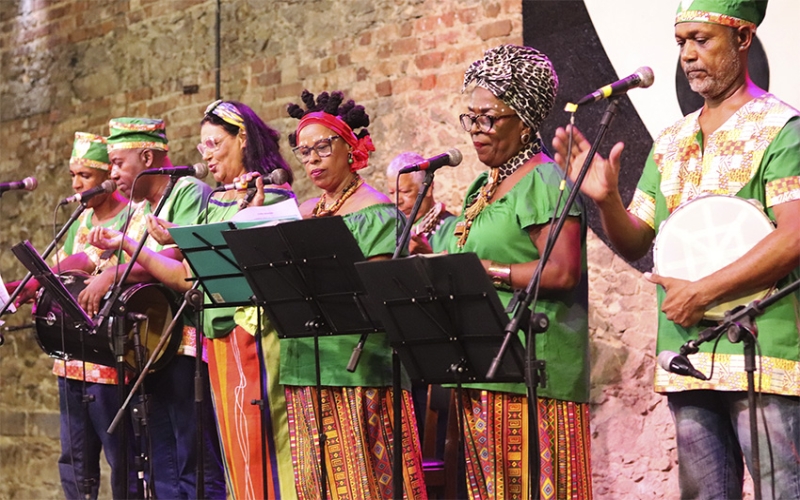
(270, 214)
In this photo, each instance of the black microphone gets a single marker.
(448, 159)
(28, 184)
(108, 186)
(678, 364)
(277, 176)
(643, 77)
(199, 170)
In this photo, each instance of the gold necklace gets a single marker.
(481, 201)
(321, 211)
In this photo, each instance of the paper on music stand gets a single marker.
(4, 298)
(211, 260)
(277, 212)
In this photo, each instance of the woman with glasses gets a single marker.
(357, 406)
(506, 219)
(237, 146)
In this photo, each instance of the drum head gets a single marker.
(706, 234)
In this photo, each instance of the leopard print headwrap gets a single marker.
(522, 77)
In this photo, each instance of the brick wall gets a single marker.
(73, 64)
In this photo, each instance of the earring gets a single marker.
(525, 138)
(350, 158)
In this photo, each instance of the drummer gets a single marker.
(83, 426)
(134, 146)
(743, 142)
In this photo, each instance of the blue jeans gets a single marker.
(172, 422)
(79, 427)
(713, 433)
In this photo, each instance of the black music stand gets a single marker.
(444, 321)
(72, 312)
(303, 275)
(442, 316)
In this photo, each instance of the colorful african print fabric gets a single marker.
(496, 447)
(237, 378)
(358, 423)
(755, 154)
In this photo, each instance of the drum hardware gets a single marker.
(150, 301)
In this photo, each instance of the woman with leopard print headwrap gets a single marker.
(506, 219)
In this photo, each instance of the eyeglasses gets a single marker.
(322, 147)
(210, 145)
(485, 122)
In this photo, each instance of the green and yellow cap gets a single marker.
(89, 150)
(134, 133)
(733, 13)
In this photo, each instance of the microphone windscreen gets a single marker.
(30, 183)
(109, 186)
(200, 170)
(646, 76)
(455, 157)
(278, 176)
(665, 359)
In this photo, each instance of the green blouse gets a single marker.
(374, 229)
(500, 233)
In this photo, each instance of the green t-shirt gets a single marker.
(500, 233)
(374, 229)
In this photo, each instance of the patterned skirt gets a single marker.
(497, 447)
(236, 380)
(358, 449)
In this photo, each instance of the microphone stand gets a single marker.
(116, 327)
(523, 306)
(739, 325)
(401, 244)
(397, 406)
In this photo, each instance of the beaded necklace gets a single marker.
(321, 211)
(485, 193)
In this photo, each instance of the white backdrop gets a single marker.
(648, 40)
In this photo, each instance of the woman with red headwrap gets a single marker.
(357, 406)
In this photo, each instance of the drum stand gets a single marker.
(739, 325)
(139, 411)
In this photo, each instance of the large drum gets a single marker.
(704, 235)
(60, 339)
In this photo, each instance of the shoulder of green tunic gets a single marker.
(375, 228)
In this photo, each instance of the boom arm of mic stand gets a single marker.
(525, 298)
(750, 311)
(117, 288)
(72, 218)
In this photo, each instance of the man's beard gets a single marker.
(726, 72)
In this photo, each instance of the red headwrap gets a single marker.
(361, 147)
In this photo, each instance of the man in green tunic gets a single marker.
(743, 142)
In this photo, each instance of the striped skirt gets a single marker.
(497, 447)
(236, 379)
(358, 451)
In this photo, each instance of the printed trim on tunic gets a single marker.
(774, 375)
(643, 206)
(783, 190)
(732, 154)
